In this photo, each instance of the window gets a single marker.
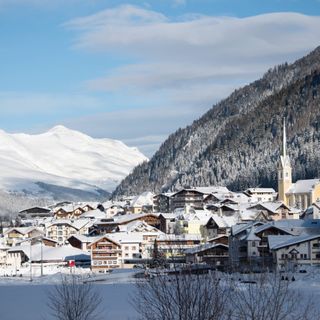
(134, 248)
(126, 248)
(253, 243)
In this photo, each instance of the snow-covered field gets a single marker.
(22, 299)
(28, 301)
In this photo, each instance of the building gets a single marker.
(293, 251)
(60, 230)
(106, 254)
(162, 202)
(214, 254)
(300, 194)
(194, 197)
(262, 194)
(17, 234)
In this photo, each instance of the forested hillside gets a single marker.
(237, 142)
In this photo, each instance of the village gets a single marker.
(253, 230)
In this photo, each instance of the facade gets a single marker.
(262, 194)
(15, 235)
(296, 251)
(106, 254)
(162, 202)
(61, 230)
(300, 194)
(214, 254)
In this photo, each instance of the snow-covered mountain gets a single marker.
(63, 161)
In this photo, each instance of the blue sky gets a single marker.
(138, 70)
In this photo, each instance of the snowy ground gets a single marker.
(22, 299)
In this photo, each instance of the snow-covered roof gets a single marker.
(289, 241)
(182, 237)
(252, 236)
(260, 190)
(212, 189)
(23, 230)
(224, 221)
(62, 253)
(248, 215)
(204, 247)
(77, 224)
(144, 199)
(138, 226)
(303, 186)
(84, 238)
(96, 214)
(271, 206)
(121, 237)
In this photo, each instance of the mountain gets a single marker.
(237, 142)
(63, 164)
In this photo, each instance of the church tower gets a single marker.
(284, 170)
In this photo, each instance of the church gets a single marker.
(302, 193)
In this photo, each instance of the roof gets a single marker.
(77, 224)
(144, 199)
(107, 236)
(62, 253)
(204, 247)
(23, 230)
(224, 221)
(96, 213)
(270, 206)
(85, 239)
(303, 186)
(289, 241)
(260, 190)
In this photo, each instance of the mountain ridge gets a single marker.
(65, 158)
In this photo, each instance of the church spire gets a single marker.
(284, 143)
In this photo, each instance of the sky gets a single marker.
(137, 71)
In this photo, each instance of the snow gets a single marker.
(64, 157)
(303, 186)
(31, 297)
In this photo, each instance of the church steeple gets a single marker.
(284, 137)
(284, 169)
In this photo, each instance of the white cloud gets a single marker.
(188, 62)
(198, 49)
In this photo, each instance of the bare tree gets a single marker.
(270, 297)
(73, 299)
(181, 297)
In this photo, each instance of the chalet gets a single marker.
(249, 243)
(103, 226)
(16, 234)
(175, 245)
(106, 254)
(68, 212)
(293, 251)
(262, 194)
(35, 212)
(141, 203)
(218, 225)
(37, 254)
(214, 254)
(81, 241)
(168, 222)
(162, 202)
(274, 210)
(61, 230)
